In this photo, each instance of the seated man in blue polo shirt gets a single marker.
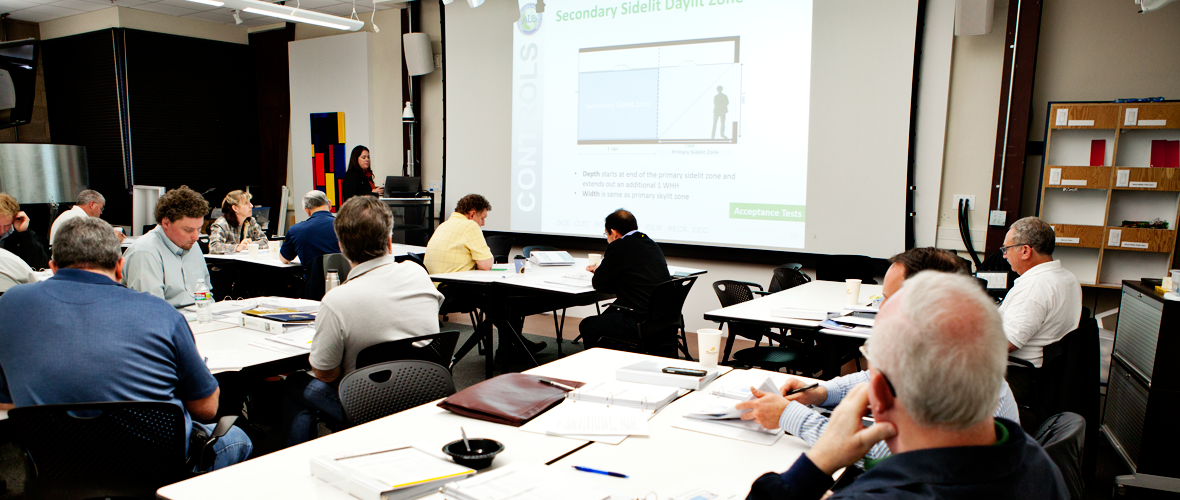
(313, 237)
(93, 341)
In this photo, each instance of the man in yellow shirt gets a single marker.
(458, 245)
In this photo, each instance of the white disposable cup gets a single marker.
(595, 259)
(252, 249)
(274, 247)
(852, 290)
(708, 346)
(1175, 279)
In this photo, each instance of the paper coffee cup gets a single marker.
(595, 259)
(252, 249)
(1175, 279)
(852, 289)
(708, 346)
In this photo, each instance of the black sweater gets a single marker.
(631, 268)
(25, 245)
(355, 183)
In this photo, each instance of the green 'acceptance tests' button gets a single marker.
(759, 211)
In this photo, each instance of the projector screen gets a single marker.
(768, 124)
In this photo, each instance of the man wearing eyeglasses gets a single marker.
(90, 203)
(793, 413)
(937, 359)
(1045, 302)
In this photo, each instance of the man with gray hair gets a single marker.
(313, 237)
(1045, 302)
(937, 359)
(90, 204)
(90, 324)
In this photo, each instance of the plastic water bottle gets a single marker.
(332, 280)
(204, 299)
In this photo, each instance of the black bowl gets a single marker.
(483, 451)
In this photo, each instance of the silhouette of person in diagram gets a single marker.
(720, 107)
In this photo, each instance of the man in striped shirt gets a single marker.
(794, 415)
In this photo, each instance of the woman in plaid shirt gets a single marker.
(236, 227)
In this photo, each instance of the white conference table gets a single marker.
(817, 295)
(224, 334)
(535, 278)
(666, 459)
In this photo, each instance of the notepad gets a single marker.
(723, 408)
(520, 481)
(602, 422)
(398, 472)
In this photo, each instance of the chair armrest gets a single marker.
(760, 293)
(625, 309)
(223, 426)
(1021, 363)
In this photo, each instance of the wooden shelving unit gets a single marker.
(1086, 204)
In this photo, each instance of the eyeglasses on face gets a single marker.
(1004, 250)
(864, 351)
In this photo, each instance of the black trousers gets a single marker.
(602, 330)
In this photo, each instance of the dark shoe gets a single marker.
(535, 347)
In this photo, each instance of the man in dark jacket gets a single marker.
(16, 237)
(631, 268)
(937, 360)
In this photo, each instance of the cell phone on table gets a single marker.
(691, 372)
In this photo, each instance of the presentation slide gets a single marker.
(692, 114)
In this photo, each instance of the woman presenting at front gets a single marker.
(358, 180)
(236, 227)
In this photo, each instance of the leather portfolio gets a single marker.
(510, 399)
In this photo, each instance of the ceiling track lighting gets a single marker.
(288, 13)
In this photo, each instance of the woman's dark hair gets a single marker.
(231, 200)
(355, 160)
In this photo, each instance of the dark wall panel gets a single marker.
(83, 105)
(193, 113)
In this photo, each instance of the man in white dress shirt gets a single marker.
(1045, 303)
(90, 204)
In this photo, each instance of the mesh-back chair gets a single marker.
(383, 389)
(125, 448)
(501, 246)
(844, 267)
(769, 357)
(785, 277)
(1063, 436)
(417, 258)
(537, 248)
(439, 348)
(319, 271)
(663, 324)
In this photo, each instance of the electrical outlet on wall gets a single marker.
(970, 201)
(438, 60)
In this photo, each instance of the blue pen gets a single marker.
(596, 471)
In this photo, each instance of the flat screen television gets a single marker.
(18, 81)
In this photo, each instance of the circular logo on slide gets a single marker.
(530, 19)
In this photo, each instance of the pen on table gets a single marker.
(557, 385)
(802, 389)
(596, 471)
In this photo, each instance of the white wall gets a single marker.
(329, 74)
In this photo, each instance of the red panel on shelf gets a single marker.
(1165, 154)
(1098, 152)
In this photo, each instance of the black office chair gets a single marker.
(501, 246)
(790, 353)
(663, 324)
(439, 349)
(844, 267)
(527, 251)
(1063, 436)
(785, 277)
(114, 449)
(417, 258)
(319, 272)
(383, 389)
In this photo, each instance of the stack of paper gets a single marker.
(651, 372)
(229, 359)
(524, 481)
(737, 384)
(394, 473)
(554, 420)
(852, 323)
(723, 408)
(301, 305)
(716, 415)
(299, 339)
(631, 394)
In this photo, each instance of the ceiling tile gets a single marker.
(14, 5)
(165, 9)
(78, 5)
(58, 12)
(33, 17)
(40, 2)
(344, 9)
(120, 3)
(185, 4)
(216, 16)
(311, 4)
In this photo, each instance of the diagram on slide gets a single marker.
(674, 92)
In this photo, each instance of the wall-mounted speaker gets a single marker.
(974, 17)
(419, 58)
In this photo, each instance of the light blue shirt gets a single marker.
(154, 264)
(806, 424)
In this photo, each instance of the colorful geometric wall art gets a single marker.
(328, 157)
